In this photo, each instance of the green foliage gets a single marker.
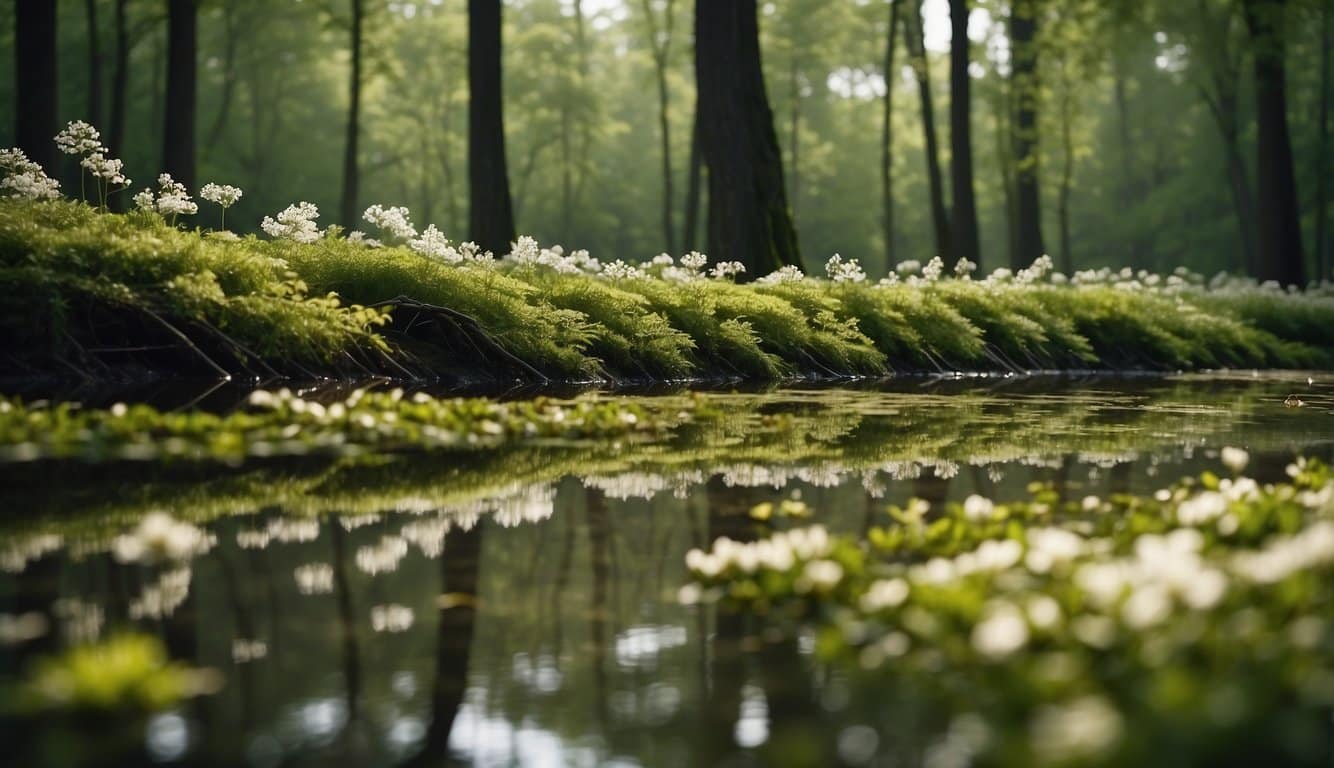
(124, 674)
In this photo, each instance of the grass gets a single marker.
(91, 294)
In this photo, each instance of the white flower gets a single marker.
(393, 222)
(884, 593)
(619, 270)
(172, 198)
(25, 179)
(296, 222)
(785, 274)
(726, 270)
(963, 269)
(841, 271)
(1001, 633)
(694, 261)
(224, 195)
(1204, 508)
(144, 200)
(314, 578)
(433, 243)
(1075, 732)
(1235, 459)
(909, 267)
(933, 269)
(978, 509)
(105, 168)
(1041, 266)
(79, 138)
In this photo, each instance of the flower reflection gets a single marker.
(161, 599)
(391, 617)
(314, 578)
(158, 537)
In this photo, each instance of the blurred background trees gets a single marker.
(1149, 133)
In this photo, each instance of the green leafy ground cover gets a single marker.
(92, 294)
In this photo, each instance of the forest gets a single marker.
(1104, 134)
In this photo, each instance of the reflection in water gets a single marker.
(520, 606)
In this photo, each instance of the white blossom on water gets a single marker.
(159, 537)
(391, 617)
(314, 578)
(295, 223)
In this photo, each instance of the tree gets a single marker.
(694, 180)
(1323, 265)
(491, 215)
(178, 136)
(963, 214)
(749, 218)
(660, 41)
(120, 81)
(94, 110)
(940, 217)
(887, 135)
(1280, 246)
(35, 96)
(351, 170)
(1024, 139)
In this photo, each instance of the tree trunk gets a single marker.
(887, 137)
(688, 242)
(1280, 246)
(94, 64)
(940, 216)
(230, 41)
(490, 214)
(1223, 106)
(794, 135)
(963, 215)
(35, 96)
(351, 170)
(1024, 91)
(178, 136)
(1126, 153)
(1067, 173)
(660, 48)
(1322, 154)
(120, 81)
(749, 219)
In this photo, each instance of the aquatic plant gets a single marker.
(1198, 613)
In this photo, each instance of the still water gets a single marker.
(520, 606)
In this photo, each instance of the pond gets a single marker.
(525, 604)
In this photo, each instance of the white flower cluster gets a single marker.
(526, 252)
(840, 271)
(224, 195)
(107, 169)
(314, 578)
(1040, 268)
(619, 270)
(391, 617)
(727, 270)
(382, 557)
(80, 138)
(161, 599)
(780, 552)
(964, 269)
(295, 223)
(172, 198)
(784, 274)
(393, 222)
(933, 269)
(25, 179)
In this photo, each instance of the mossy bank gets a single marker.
(93, 295)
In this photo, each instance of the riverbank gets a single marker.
(105, 297)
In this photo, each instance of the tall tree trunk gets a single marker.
(35, 94)
(120, 83)
(94, 108)
(887, 136)
(1322, 153)
(1223, 106)
(693, 183)
(1126, 153)
(661, 47)
(351, 169)
(178, 135)
(230, 40)
(1280, 246)
(794, 132)
(940, 216)
(1067, 171)
(1028, 244)
(491, 213)
(749, 218)
(963, 215)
